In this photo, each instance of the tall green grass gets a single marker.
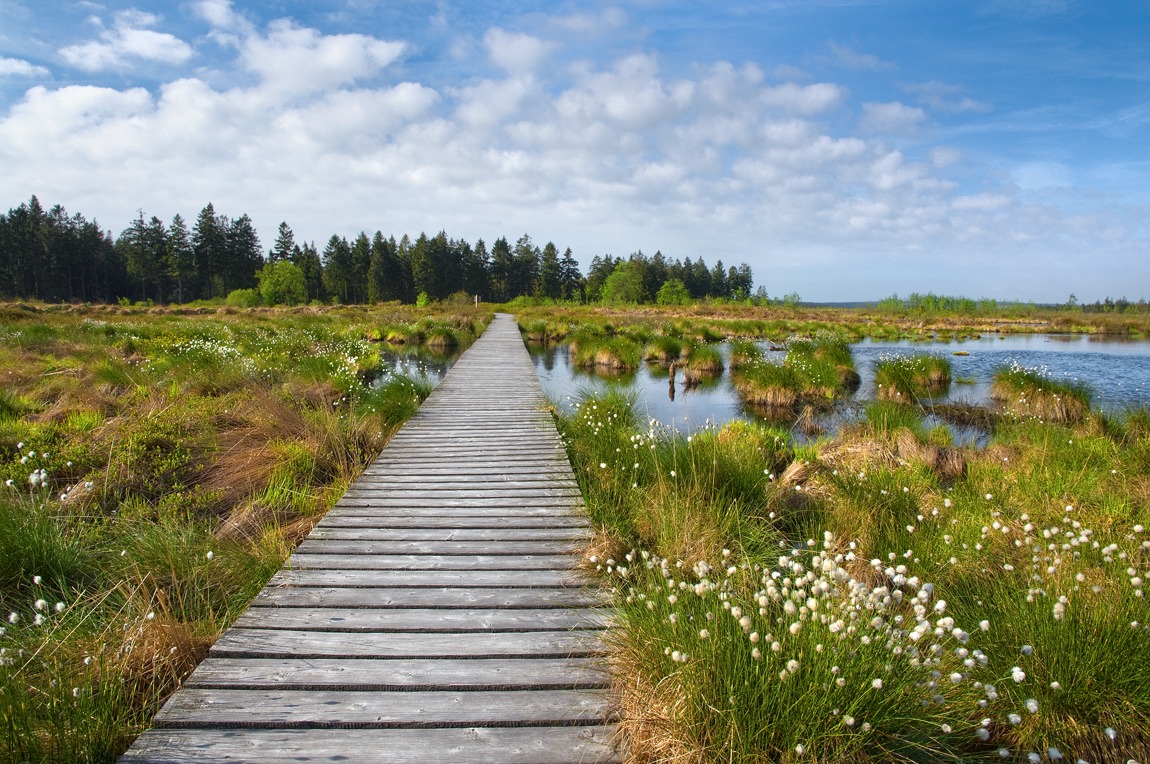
(877, 597)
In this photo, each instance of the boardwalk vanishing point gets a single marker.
(436, 614)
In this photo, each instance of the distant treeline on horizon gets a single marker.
(52, 256)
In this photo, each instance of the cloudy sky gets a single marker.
(845, 149)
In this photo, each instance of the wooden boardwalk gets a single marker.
(435, 614)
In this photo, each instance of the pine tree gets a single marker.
(337, 269)
(307, 260)
(209, 244)
(244, 254)
(180, 259)
(501, 268)
(570, 278)
(284, 246)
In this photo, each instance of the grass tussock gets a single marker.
(1031, 393)
(912, 378)
(812, 372)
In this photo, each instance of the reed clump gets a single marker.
(813, 370)
(1025, 392)
(911, 378)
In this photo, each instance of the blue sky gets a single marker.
(845, 149)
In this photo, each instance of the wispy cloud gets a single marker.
(856, 60)
(946, 98)
(895, 118)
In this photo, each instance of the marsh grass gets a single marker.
(997, 594)
(609, 355)
(913, 378)
(813, 372)
(1025, 392)
(663, 349)
(155, 470)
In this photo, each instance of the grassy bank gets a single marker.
(156, 467)
(715, 320)
(882, 596)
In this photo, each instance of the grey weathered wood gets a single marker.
(484, 745)
(505, 547)
(250, 643)
(418, 502)
(422, 620)
(412, 673)
(437, 613)
(437, 562)
(382, 709)
(515, 535)
(474, 521)
(403, 597)
(430, 578)
(509, 512)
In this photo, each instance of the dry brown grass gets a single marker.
(649, 720)
(948, 463)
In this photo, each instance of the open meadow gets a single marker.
(158, 467)
(880, 593)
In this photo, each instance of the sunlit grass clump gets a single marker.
(910, 379)
(605, 354)
(1028, 392)
(814, 370)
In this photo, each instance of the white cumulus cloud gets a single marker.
(130, 40)
(291, 58)
(16, 67)
(515, 52)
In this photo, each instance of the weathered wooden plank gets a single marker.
(414, 673)
(443, 599)
(465, 470)
(405, 481)
(318, 545)
(492, 745)
(416, 511)
(385, 499)
(254, 643)
(473, 521)
(432, 562)
(428, 620)
(318, 709)
(576, 536)
(518, 490)
(437, 579)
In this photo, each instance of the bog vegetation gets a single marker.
(879, 595)
(155, 470)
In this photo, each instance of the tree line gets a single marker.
(50, 255)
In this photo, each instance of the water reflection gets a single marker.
(1117, 371)
(420, 362)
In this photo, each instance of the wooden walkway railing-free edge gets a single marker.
(437, 613)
